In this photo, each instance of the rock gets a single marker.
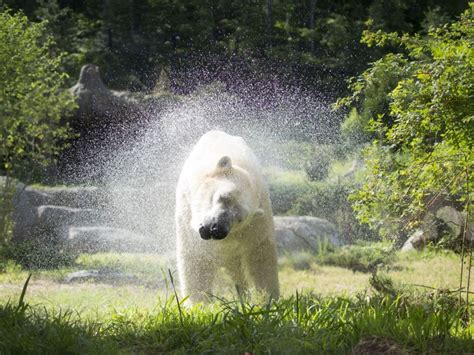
(298, 233)
(452, 218)
(470, 232)
(374, 344)
(101, 276)
(94, 99)
(93, 239)
(59, 218)
(430, 227)
(37, 208)
(25, 216)
(416, 241)
(104, 120)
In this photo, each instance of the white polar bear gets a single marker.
(224, 218)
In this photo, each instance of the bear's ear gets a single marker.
(259, 213)
(224, 164)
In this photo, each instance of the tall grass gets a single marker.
(299, 324)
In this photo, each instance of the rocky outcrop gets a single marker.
(93, 239)
(82, 219)
(105, 120)
(36, 210)
(75, 219)
(298, 233)
(444, 221)
(99, 106)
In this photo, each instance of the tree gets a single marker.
(32, 101)
(424, 131)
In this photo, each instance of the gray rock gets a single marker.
(298, 233)
(45, 207)
(97, 104)
(416, 241)
(452, 218)
(25, 215)
(101, 276)
(430, 228)
(93, 239)
(435, 225)
(54, 217)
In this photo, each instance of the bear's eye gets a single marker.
(225, 199)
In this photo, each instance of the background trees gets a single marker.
(32, 98)
(32, 103)
(313, 42)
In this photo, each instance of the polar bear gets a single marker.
(224, 219)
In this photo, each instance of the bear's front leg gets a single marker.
(262, 267)
(196, 275)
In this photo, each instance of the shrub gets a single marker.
(317, 167)
(420, 101)
(363, 256)
(32, 101)
(285, 189)
(330, 201)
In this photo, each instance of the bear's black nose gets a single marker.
(204, 232)
(218, 231)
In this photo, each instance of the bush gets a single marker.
(419, 106)
(285, 189)
(330, 201)
(32, 100)
(317, 168)
(363, 256)
(293, 194)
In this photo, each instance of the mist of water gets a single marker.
(140, 174)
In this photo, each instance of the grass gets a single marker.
(324, 308)
(299, 324)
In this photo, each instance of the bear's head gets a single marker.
(225, 200)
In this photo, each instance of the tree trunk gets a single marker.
(312, 10)
(269, 23)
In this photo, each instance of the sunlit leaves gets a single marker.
(32, 101)
(424, 123)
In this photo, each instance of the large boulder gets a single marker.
(49, 211)
(445, 221)
(80, 219)
(54, 222)
(93, 239)
(25, 216)
(304, 233)
(415, 241)
(452, 219)
(96, 102)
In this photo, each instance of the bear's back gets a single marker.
(214, 145)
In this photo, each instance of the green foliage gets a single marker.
(355, 128)
(32, 102)
(317, 167)
(132, 40)
(425, 127)
(7, 191)
(362, 256)
(285, 190)
(330, 201)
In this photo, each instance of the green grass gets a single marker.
(298, 324)
(324, 308)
